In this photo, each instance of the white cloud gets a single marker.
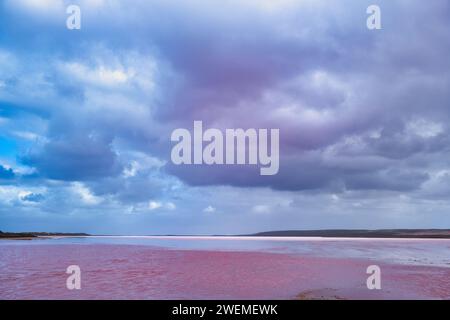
(170, 206)
(27, 135)
(153, 205)
(110, 70)
(10, 194)
(140, 162)
(209, 209)
(261, 209)
(99, 75)
(85, 194)
(424, 128)
(130, 170)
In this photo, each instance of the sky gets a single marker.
(86, 115)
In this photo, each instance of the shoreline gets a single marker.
(230, 238)
(284, 235)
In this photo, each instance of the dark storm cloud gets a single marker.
(74, 160)
(389, 90)
(311, 69)
(140, 188)
(87, 115)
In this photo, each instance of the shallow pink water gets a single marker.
(143, 272)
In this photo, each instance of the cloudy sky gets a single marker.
(86, 115)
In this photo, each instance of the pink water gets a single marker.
(114, 271)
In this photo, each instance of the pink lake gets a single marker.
(191, 269)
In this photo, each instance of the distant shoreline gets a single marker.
(362, 233)
(36, 235)
(336, 234)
